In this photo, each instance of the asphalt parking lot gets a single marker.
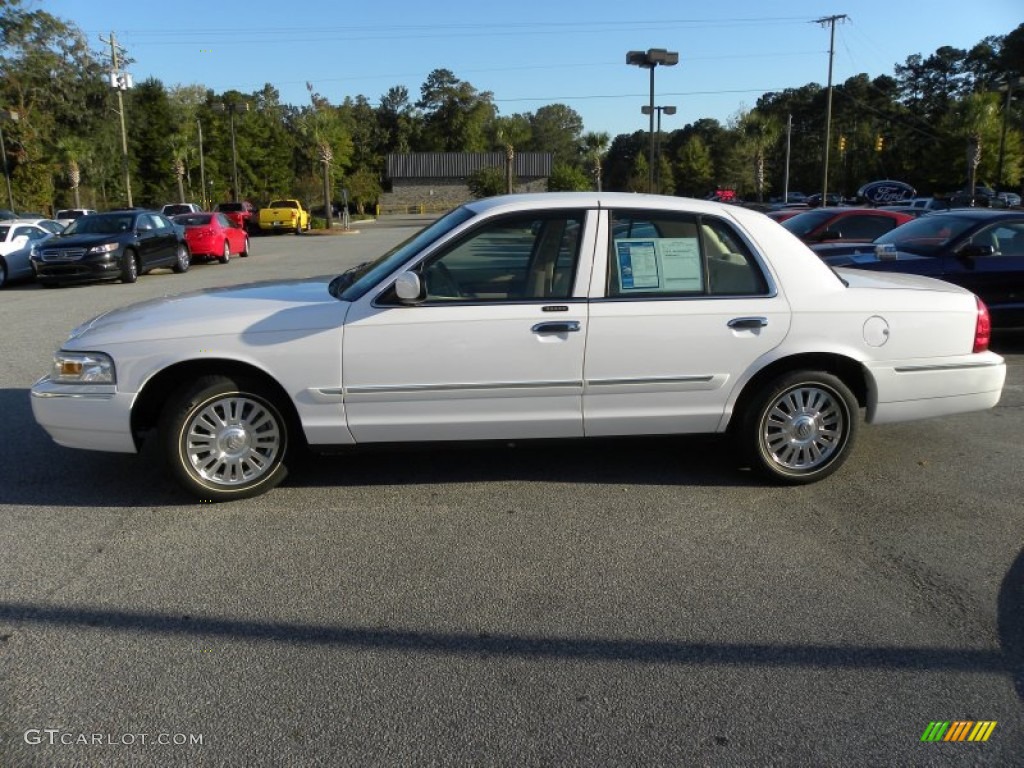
(625, 603)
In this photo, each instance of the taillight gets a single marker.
(982, 327)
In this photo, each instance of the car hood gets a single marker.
(84, 240)
(248, 311)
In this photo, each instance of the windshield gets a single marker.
(807, 222)
(100, 224)
(365, 276)
(928, 234)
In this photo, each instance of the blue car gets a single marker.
(979, 249)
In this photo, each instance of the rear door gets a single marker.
(681, 307)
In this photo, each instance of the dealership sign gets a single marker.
(886, 192)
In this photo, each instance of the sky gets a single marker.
(532, 53)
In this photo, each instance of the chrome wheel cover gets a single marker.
(802, 430)
(232, 440)
(183, 257)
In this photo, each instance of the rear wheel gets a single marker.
(3, 273)
(130, 267)
(225, 439)
(225, 254)
(800, 428)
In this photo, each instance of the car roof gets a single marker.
(981, 213)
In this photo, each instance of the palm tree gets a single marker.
(975, 120)
(596, 144)
(759, 132)
(72, 151)
(180, 147)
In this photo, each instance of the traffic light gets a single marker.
(842, 143)
(879, 143)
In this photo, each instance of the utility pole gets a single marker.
(831, 21)
(120, 82)
(202, 168)
(789, 142)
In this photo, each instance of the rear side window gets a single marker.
(662, 254)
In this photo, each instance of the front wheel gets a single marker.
(225, 439)
(130, 267)
(800, 428)
(245, 248)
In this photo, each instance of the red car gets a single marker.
(240, 213)
(785, 213)
(213, 235)
(827, 225)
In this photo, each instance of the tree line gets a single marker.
(935, 122)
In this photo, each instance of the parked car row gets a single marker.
(119, 245)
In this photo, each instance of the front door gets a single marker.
(494, 350)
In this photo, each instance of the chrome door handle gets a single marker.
(563, 326)
(741, 323)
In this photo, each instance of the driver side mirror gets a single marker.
(409, 288)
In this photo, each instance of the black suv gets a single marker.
(111, 246)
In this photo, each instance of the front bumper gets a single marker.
(94, 417)
(85, 269)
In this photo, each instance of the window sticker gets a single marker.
(666, 265)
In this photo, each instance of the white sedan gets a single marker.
(530, 317)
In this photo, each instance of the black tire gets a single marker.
(245, 248)
(182, 259)
(225, 253)
(800, 428)
(3, 273)
(130, 267)
(225, 439)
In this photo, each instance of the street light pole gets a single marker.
(657, 141)
(650, 59)
(6, 114)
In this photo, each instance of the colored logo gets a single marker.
(959, 730)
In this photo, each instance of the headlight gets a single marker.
(105, 248)
(82, 368)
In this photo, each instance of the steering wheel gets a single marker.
(440, 282)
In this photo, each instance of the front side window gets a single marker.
(519, 258)
(661, 254)
(1005, 239)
